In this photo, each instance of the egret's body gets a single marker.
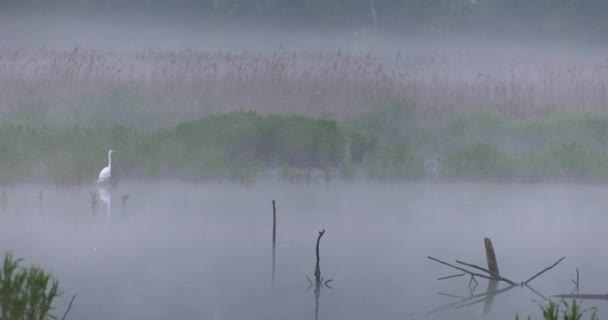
(106, 173)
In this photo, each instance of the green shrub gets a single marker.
(479, 161)
(570, 161)
(25, 293)
(394, 162)
(224, 145)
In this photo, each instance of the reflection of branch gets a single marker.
(583, 296)
(543, 271)
(488, 296)
(495, 293)
(536, 292)
(451, 295)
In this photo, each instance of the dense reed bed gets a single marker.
(161, 88)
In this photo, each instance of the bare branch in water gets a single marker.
(69, 307)
(543, 271)
(454, 276)
(488, 271)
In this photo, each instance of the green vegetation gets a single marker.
(223, 145)
(571, 311)
(25, 293)
(389, 144)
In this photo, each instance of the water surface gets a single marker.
(203, 251)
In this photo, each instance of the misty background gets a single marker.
(404, 128)
(482, 17)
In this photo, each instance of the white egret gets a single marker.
(106, 173)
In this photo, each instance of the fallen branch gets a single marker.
(465, 270)
(498, 277)
(454, 276)
(492, 274)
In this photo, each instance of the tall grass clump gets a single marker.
(570, 311)
(26, 293)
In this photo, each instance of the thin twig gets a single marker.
(576, 282)
(69, 307)
(454, 276)
(543, 271)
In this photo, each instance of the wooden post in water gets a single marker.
(274, 222)
(493, 267)
(274, 239)
(491, 256)
(318, 281)
(318, 266)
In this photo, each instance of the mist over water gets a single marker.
(73, 81)
(204, 251)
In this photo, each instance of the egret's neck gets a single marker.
(110, 160)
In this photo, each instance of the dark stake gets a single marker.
(318, 267)
(274, 238)
(274, 222)
(318, 280)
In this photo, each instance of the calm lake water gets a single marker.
(204, 251)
